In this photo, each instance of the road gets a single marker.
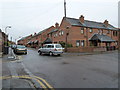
(71, 71)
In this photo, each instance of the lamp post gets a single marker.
(6, 36)
(6, 48)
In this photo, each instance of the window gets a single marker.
(62, 32)
(49, 46)
(91, 30)
(82, 43)
(108, 32)
(101, 31)
(116, 43)
(78, 43)
(56, 35)
(116, 33)
(113, 33)
(98, 30)
(52, 46)
(58, 46)
(82, 30)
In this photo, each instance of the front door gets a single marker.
(95, 43)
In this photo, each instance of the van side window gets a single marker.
(49, 46)
(52, 46)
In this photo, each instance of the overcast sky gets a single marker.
(29, 16)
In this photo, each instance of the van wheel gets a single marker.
(50, 53)
(59, 54)
(40, 53)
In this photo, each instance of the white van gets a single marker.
(51, 49)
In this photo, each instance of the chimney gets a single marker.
(56, 25)
(81, 18)
(35, 33)
(106, 23)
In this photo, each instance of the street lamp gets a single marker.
(6, 36)
(6, 29)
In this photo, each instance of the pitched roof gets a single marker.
(48, 40)
(44, 30)
(90, 24)
(54, 30)
(102, 38)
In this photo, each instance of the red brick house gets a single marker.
(84, 33)
(40, 38)
(24, 40)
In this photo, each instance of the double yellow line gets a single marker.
(43, 83)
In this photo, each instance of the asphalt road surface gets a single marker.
(72, 71)
(66, 71)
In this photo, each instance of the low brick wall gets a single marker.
(85, 49)
(0, 48)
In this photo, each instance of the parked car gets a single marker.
(20, 49)
(13, 46)
(51, 49)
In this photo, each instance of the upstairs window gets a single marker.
(90, 30)
(62, 32)
(82, 30)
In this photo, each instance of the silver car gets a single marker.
(51, 49)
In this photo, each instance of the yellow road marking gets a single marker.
(28, 77)
(44, 82)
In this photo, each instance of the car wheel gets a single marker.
(59, 54)
(26, 53)
(50, 53)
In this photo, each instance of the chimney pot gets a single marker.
(106, 22)
(81, 18)
(56, 25)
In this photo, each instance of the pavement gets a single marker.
(14, 75)
(1, 54)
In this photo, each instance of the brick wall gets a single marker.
(0, 41)
(85, 49)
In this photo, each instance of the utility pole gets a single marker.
(65, 27)
(65, 8)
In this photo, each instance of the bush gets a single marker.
(63, 44)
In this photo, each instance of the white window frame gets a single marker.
(82, 43)
(62, 32)
(77, 43)
(91, 30)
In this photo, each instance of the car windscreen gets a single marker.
(58, 46)
(21, 47)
